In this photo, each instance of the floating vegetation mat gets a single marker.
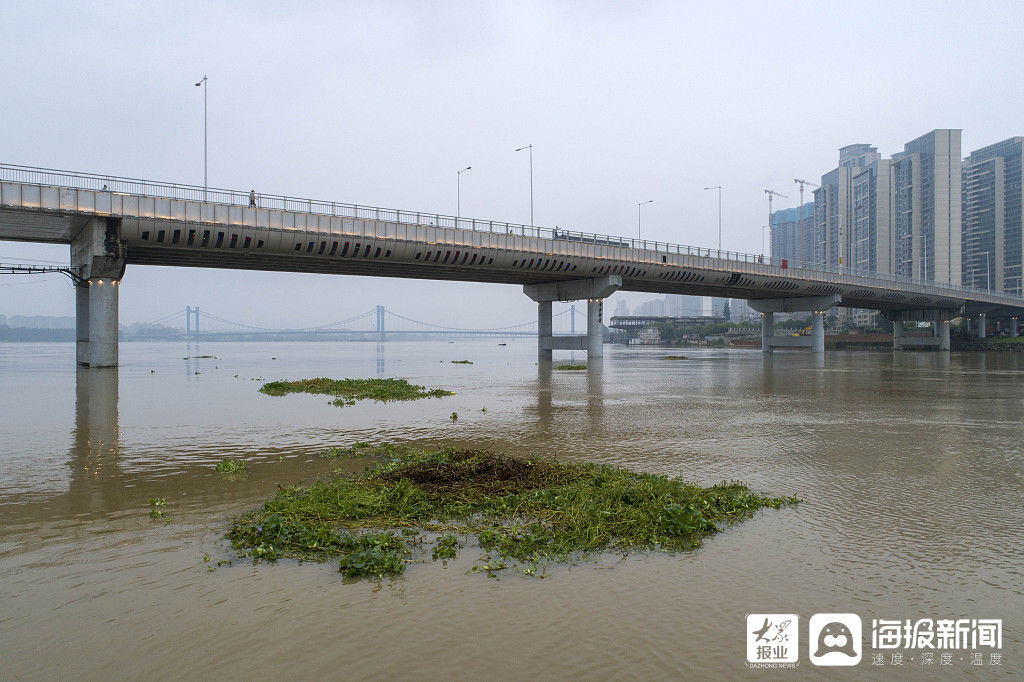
(348, 391)
(462, 362)
(674, 357)
(523, 513)
(568, 366)
(230, 466)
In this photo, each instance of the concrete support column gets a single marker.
(103, 323)
(544, 328)
(98, 259)
(1013, 327)
(897, 335)
(595, 331)
(981, 326)
(818, 322)
(594, 291)
(82, 323)
(767, 331)
(942, 331)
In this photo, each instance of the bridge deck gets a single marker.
(169, 224)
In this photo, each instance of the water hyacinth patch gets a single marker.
(523, 513)
(348, 391)
(230, 466)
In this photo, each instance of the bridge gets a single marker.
(377, 324)
(111, 222)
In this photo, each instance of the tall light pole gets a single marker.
(719, 188)
(458, 195)
(530, 147)
(649, 201)
(203, 82)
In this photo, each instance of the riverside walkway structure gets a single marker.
(111, 222)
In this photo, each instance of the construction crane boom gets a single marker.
(772, 194)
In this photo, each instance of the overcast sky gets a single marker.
(381, 103)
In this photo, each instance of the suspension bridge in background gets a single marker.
(377, 324)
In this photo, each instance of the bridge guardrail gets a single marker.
(170, 190)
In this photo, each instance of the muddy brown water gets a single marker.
(911, 465)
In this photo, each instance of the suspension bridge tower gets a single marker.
(191, 333)
(381, 337)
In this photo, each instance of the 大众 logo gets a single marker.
(772, 638)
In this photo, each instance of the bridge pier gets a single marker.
(981, 326)
(1013, 327)
(940, 328)
(816, 305)
(594, 291)
(97, 257)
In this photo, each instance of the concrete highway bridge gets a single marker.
(111, 222)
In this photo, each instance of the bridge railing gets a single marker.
(170, 190)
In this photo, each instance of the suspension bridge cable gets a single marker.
(287, 329)
(461, 329)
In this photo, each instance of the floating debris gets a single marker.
(230, 466)
(524, 513)
(348, 391)
(571, 366)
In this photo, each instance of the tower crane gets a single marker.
(802, 183)
(771, 194)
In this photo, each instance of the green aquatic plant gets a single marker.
(674, 357)
(445, 547)
(571, 366)
(454, 416)
(462, 362)
(523, 512)
(230, 466)
(348, 391)
(154, 507)
(357, 449)
(377, 554)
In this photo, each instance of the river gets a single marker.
(911, 468)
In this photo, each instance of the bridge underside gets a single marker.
(692, 282)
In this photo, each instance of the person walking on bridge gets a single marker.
(252, 197)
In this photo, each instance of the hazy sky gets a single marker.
(381, 103)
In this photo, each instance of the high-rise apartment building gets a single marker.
(926, 208)
(792, 234)
(851, 219)
(893, 216)
(992, 220)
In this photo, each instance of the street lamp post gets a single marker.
(530, 147)
(719, 188)
(649, 201)
(203, 82)
(458, 195)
